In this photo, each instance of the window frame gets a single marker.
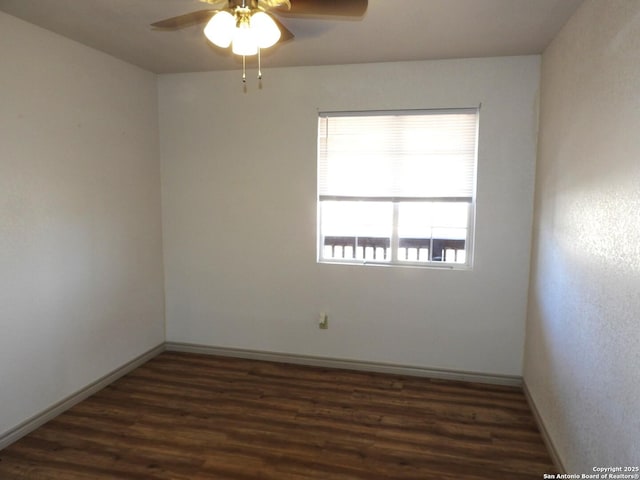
(394, 241)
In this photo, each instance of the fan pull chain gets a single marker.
(259, 67)
(244, 69)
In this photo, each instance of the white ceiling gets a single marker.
(391, 30)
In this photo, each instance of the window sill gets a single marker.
(421, 265)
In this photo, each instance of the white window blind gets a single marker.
(408, 155)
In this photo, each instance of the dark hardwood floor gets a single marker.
(186, 417)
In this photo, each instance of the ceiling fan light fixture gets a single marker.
(221, 29)
(265, 29)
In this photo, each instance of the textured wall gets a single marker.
(80, 233)
(582, 362)
(239, 217)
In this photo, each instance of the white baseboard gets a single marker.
(41, 418)
(346, 364)
(553, 452)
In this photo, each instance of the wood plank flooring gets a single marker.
(188, 417)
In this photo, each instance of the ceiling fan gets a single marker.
(249, 25)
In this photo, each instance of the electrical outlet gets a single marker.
(323, 321)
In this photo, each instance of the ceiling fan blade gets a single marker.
(217, 4)
(285, 33)
(341, 8)
(269, 4)
(185, 20)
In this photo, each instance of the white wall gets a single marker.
(81, 289)
(239, 217)
(582, 361)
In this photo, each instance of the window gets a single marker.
(397, 188)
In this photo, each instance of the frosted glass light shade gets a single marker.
(244, 41)
(265, 29)
(220, 29)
